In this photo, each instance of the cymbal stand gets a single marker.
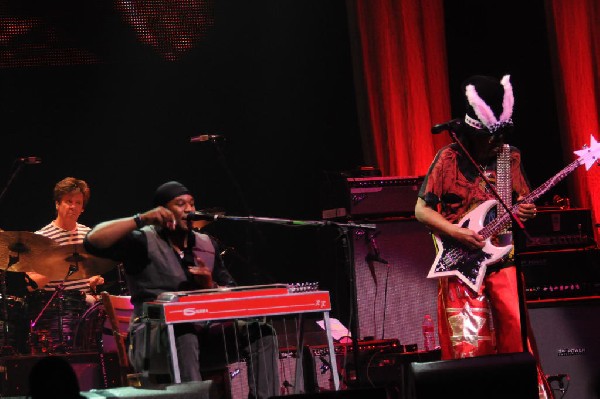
(59, 290)
(6, 348)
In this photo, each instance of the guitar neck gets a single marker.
(502, 222)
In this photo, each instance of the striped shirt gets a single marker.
(66, 237)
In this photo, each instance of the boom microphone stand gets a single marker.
(216, 141)
(19, 162)
(345, 231)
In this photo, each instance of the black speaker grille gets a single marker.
(568, 342)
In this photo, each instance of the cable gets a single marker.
(560, 379)
(385, 294)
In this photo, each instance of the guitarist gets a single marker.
(471, 323)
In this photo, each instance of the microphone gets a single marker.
(206, 137)
(30, 160)
(201, 216)
(437, 129)
(373, 254)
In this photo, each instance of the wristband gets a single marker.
(139, 223)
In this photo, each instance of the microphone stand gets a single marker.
(345, 229)
(285, 222)
(11, 178)
(521, 227)
(372, 257)
(223, 161)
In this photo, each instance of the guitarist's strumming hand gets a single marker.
(467, 237)
(436, 222)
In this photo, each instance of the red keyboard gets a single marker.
(237, 302)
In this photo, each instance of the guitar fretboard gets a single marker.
(502, 222)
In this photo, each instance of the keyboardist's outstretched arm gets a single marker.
(108, 233)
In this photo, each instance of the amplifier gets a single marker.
(567, 273)
(363, 346)
(370, 196)
(317, 363)
(558, 229)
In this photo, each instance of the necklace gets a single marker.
(489, 174)
(176, 248)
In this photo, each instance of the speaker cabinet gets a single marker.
(393, 298)
(507, 376)
(237, 384)
(568, 341)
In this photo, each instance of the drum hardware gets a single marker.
(19, 249)
(93, 331)
(6, 348)
(123, 290)
(54, 320)
(59, 289)
(73, 268)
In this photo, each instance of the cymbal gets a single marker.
(57, 260)
(24, 247)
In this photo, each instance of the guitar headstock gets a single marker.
(590, 155)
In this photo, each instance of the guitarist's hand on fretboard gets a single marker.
(526, 211)
(470, 266)
(458, 233)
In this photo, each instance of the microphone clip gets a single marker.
(30, 160)
(207, 137)
(450, 125)
(373, 253)
(192, 216)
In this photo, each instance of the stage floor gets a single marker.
(186, 390)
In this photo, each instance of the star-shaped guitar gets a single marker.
(452, 259)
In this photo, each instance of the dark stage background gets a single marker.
(273, 76)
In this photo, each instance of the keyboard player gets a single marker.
(162, 253)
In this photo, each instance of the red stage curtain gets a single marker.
(574, 27)
(402, 80)
(403, 83)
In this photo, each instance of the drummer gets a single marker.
(71, 195)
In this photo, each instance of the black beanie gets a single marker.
(166, 192)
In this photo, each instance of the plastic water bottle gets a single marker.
(428, 333)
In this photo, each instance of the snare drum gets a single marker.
(54, 330)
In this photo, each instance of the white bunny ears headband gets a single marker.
(485, 114)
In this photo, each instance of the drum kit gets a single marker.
(36, 320)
